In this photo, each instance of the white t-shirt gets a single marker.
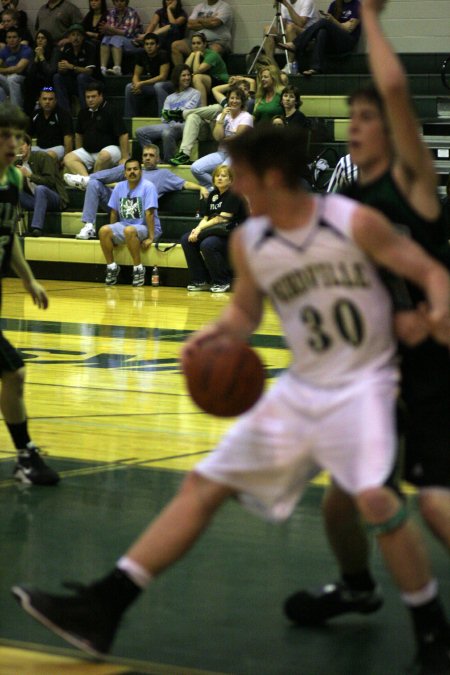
(220, 10)
(231, 124)
(302, 8)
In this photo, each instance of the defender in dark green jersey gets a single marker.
(396, 175)
(426, 366)
(30, 467)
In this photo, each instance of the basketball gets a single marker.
(224, 378)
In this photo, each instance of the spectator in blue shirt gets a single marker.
(14, 60)
(133, 221)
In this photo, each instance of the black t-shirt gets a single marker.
(227, 202)
(51, 131)
(151, 66)
(297, 119)
(100, 128)
(87, 56)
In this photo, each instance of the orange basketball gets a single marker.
(224, 378)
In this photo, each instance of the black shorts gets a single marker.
(10, 359)
(426, 422)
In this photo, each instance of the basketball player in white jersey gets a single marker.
(333, 409)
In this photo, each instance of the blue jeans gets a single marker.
(208, 259)
(11, 85)
(168, 133)
(329, 38)
(97, 193)
(134, 102)
(67, 85)
(43, 200)
(202, 168)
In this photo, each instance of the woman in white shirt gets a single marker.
(232, 120)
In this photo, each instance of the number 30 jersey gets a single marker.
(335, 311)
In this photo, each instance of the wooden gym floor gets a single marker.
(107, 402)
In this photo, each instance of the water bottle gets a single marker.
(294, 68)
(155, 276)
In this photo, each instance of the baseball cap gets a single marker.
(76, 27)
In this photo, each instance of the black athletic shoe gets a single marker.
(32, 470)
(308, 608)
(84, 619)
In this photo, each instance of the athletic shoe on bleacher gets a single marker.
(86, 232)
(115, 71)
(180, 158)
(112, 275)
(139, 276)
(76, 180)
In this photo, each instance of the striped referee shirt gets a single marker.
(345, 174)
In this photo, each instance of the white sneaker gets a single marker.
(76, 180)
(86, 232)
(220, 288)
(115, 70)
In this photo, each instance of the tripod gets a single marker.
(276, 29)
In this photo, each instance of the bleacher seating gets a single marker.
(59, 255)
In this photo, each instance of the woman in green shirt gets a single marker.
(268, 94)
(207, 65)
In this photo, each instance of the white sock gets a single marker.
(136, 572)
(112, 266)
(138, 268)
(426, 594)
(26, 450)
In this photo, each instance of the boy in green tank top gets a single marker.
(30, 468)
(396, 175)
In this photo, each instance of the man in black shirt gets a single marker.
(77, 65)
(52, 126)
(152, 66)
(101, 139)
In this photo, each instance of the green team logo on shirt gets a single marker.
(130, 208)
